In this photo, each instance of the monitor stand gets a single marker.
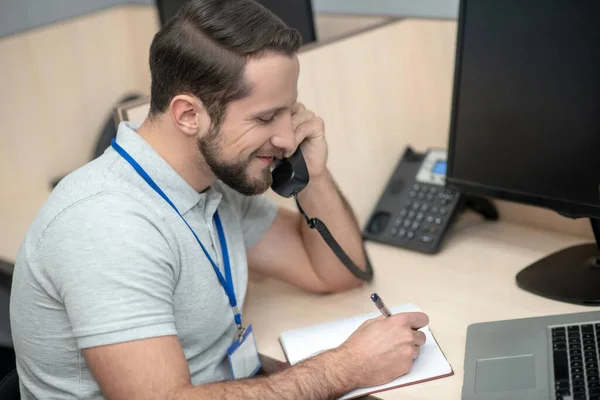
(571, 275)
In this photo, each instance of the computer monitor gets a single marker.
(297, 14)
(525, 123)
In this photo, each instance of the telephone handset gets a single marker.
(290, 176)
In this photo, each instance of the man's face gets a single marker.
(257, 129)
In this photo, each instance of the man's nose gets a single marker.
(284, 137)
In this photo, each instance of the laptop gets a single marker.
(551, 357)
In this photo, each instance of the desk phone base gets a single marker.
(416, 209)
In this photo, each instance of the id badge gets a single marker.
(243, 355)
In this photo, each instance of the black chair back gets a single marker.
(9, 381)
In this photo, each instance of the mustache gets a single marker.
(277, 154)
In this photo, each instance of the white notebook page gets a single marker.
(302, 343)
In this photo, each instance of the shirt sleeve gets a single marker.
(113, 270)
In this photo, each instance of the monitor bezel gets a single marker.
(567, 208)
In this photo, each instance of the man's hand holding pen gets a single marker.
(384, 348)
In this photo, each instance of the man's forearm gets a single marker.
(322, 199)
(324, 376)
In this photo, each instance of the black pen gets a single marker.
(380, 306)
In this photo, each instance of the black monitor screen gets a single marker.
(526, 107)
(296, 14)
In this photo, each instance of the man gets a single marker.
(115, 293)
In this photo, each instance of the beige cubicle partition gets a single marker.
(58, 85)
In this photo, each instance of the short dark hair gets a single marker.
(204, 48)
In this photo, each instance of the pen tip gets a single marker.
(374, 297)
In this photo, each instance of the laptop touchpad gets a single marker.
(506, 373)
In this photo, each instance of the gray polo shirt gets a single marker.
(107, 260)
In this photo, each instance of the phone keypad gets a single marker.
(424, 213)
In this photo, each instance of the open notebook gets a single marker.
(302, 343)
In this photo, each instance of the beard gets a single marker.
(234, 174)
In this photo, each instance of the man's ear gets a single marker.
(189, 115)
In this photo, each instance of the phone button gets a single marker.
(410, 235)
(429, 230)
(402, 233)
(426, 239)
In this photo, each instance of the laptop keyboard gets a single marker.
(575, 352)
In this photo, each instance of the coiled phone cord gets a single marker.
(315, 223)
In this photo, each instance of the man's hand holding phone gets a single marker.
(309, 130)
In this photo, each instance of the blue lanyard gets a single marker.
(227, 281)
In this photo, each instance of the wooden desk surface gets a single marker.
(471, 280)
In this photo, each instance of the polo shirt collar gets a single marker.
(183, 196)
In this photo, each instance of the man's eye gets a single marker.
(266, 120)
